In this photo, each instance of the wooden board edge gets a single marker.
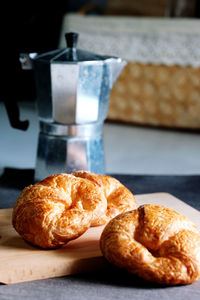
(91, 264)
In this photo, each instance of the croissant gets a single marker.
(119, 198)
(155, 243)
(62, 207)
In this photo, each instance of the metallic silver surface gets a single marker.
(66, 154)
(26, 60)
(116, 65)
(75, 93)
(44, 91)
(64, 80)
(89, 89)
(73, 89)
(85, 130)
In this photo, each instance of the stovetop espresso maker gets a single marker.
(73, 88)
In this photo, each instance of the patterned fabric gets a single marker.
(144, 40)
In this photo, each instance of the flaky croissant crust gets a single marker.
(155, 243)
(63, 206)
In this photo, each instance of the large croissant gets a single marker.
(155, 243)
(62, 207)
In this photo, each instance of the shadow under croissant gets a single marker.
(114, 276)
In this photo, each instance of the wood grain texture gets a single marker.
(21, 262)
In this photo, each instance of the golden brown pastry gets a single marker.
(62, 207)
(119, 198)
(155, 243)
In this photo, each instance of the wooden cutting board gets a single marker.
(21, 262)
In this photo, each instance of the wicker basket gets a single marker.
(157, 95)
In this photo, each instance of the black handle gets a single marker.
(71, 39)
(13, 115)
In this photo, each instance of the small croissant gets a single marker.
(155, 243)
(62, 207)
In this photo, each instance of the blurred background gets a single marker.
(153, 119)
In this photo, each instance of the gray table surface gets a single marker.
(114, 283)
